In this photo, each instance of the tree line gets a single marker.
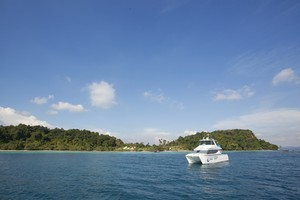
(235, 139)
(25, 137)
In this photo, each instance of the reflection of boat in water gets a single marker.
(208, 172)
(207, 152)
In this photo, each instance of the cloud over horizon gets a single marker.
(9, 116)
(147, 135)
(278, 126)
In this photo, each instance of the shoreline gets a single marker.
(72, 151)
(90, 151)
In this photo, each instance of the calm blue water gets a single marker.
(67, 175)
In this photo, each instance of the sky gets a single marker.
(151, 69)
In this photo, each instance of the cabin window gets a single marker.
(212, 151)
(206, 143)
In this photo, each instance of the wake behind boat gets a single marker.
(207, 152)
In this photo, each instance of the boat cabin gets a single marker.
(207, 142)
(208, 146)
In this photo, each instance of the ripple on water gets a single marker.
(248, 175)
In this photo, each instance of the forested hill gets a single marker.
(236, 139)
(23, 137)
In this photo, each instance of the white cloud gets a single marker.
(148, 135)
(187, 132)
(153, 135)
(281, 126)
(160, 98)
(102, 94)
(9, 116)
(247, 91)
(284, 76)
(42, 100)
(67, 106)
(229, 94)
(155, 97)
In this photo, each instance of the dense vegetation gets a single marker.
(236, 139)
(23, 137)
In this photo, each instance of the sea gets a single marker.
(147, 175)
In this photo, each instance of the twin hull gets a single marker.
(206, 158)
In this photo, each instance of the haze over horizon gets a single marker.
(145, 70)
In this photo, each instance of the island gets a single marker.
(26, 137)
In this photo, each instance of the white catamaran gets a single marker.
(207, 152)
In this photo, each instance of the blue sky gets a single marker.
(144, 70)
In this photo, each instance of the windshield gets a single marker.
(206, 143)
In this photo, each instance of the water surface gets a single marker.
(95, 175)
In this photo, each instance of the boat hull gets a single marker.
(206, 158)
